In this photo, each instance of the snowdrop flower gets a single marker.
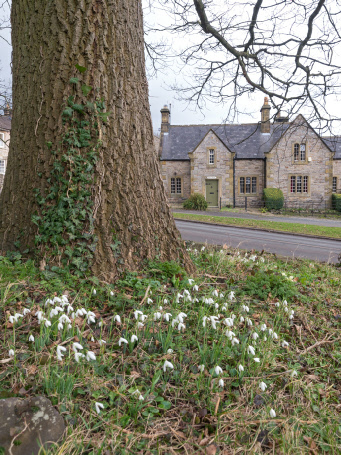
(240, 368)
(92, 339)
(76, 346)
(111, 293)
(78, 356)
(174, 321)
(181, 326)
(59, 309)
(261, 259)
(241, 319)
(204, 321)
(122, 340)
(136, 313)
(141, 397)
(215, 293)
(186, 292)
(255, 336)
(272, 413)
(291, 314)
(221, 295)
(49, 302)
(53, 312)
(285, 303)
(90, 356)
(157, 316)
(231, 295)
(221, 383)
(94, 292)
(203, 248)
(251, 350)
(263, 386)
(228, 322)
(60, 349)
(143, 317)
(293, 373)
(91, 319)
(11, 352)
(149, 300)
(78, 313)
(235, 341)
(165, 301)
(160, 308)
(196, 300)
(218, 370)
(183, 315)
(117, 318)
(101, 342)
(167, 316)
(286, 309)
(195, 288)
(57, 300)
(214, 322)
(12, 319)
(285, 344)
(167, 365)
(270, 331)
(245, 308)
(275, 336)
(249, 322)
(170, 351)
(210, 301)
(216, 305)
(98, 407)
(69, 326)
(265, 338)
(133, 338)
(256, 359)
(190, 281)
(253, 258)
(263, 327)
(26, 311)
(63, 318)
(31, 338)
(178, 297)
(201, 368)
(277, 304)
(140, 325)
(47, 323)
(229, 334)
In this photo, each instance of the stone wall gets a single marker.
(175, 169)
(221, 170)
(249, 168)
(318, 166)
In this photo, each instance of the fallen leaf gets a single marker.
(211, 449)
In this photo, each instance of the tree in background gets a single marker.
(82, 187)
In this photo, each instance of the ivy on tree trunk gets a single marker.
(79, 75)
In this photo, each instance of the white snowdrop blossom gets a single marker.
(157, 316)
(221, 295)
(214, 321)
(255, 336)
(166, 365)
(76, 347)
(263, 386)
(31, 338)
(228, 322)
(251, 350)
(230, 334)
(165, 301)
(141, 397)
(204, 321)
(272, 413)
(47, 323)
(140, 325)
(102, 342)
(203, 248)
(26, 311)
(190, 281)
(253, 258)
(11, 352)
(122, 340)
(133, 338)
(143, 317)
(265, 338)
(60, 350)
(285, 344)
(178, 297)
(94, 292)
(195, 288)
(245, 308)
(216, 305)
(285, 303)
(186, 292)
(221, 383)
(201, 368)
(274, 335)
(241, 319)
(231, 295)
(235, 341)
(248, 321)
(170, 351)
(277, 304)
(78, 356)
(286, 309)
(181, 326)
(98, 407)
(137, 313)
(218, 370)
(167, 316)
(293, 373)
(91, 319)
(90, 356)
(263, 327)
(63, 318)
(149, 300)
(256, 359)
(117, 318)
(215, 293)
(111, 293)
(240, 368)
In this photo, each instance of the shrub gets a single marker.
(264, 283)
(273, 198)
(195, 202)
(336, 202)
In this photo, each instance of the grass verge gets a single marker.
(294, 228)
(244, 357)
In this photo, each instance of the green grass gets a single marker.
(306, 229)
(184, 410)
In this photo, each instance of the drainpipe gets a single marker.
(234, 181)
(265, 172)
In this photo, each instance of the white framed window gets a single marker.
(334, 184)
(300, 152)
(2, 141)
(211, 156)
(176, 185)
(2, 166)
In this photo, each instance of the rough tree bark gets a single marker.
(105, 36)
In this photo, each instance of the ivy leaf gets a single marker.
(80, 68)
(67, 112)
(104, 116)
(78, 107)
(165, 405)
(74, 80)
(86, 89)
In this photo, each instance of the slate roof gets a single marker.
(5, 123)
(246, 140)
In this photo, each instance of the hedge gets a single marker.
(336, 202)
(195, 202)
(273, 198)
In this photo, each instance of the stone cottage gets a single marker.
(5, 130)
(228, 163)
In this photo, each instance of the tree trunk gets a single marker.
(130, 220)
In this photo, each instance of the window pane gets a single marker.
(172, 185)
(296, 151)
(248, 185)
(302, 152)
(178, 185)
(2, 138)
(305, 184)
(334, 184)
(299, 184)
(242, 183)
(211, 156)
(293, 185)
(254, 184)
(2, 166)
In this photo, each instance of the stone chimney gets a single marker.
(165, 124)
(7, 111)
(265, 125)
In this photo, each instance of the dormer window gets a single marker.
(300, 153)
(211, 159)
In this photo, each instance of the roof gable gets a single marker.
(202, 140)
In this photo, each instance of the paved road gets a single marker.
(267, 217)
(281, 244)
